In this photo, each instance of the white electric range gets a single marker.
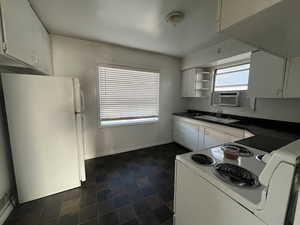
(253, 189)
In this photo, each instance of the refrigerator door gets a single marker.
(42, 128)
(81, 144)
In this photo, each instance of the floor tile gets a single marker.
(88, 197)
(126, 214)
(50, 222)
(100, 178)
(104, 195)
(88, 213)
(136, 196)
(168, 222)
(109, 219)
(154, 202)
(132, 188)
(148, 219)
(141, 207)
(121, 201)
(147, 191)
(166, 195)
(163, 214)
(143, 182)
(105, 207)
(91, 222)
(69, 219)
(132, 222)
(70, 207)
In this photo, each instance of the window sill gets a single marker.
(117, 123)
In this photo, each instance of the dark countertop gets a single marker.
(270, 135)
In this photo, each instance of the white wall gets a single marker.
(222, 50)
(5, 165)
(277, 109)
(79, 58)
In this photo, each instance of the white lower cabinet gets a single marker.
(201, 135)
(292, 78)
(186, 134)
(214, 137)
(196, 135)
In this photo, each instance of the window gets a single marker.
(233, 78)
(127, 96)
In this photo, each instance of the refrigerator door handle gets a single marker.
(82, 101)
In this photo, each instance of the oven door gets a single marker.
(199, 202)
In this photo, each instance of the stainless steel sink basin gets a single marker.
(216, 119)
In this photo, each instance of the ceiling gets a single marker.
(134, 23)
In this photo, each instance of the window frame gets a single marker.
(228, 66)
(131, 122)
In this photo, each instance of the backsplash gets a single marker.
(274, 109)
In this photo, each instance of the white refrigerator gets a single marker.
(46, 129)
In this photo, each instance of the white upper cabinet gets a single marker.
(232, 11)
(292, 89)
(43, 47)
(266, 79)
(265, 24)
(196, 83)
(25, 38)
(18, 20)
(188, 83)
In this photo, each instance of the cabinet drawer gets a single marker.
(222, 128)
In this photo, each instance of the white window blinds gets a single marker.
(126, 94)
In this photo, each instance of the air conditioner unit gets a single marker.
(228, 98)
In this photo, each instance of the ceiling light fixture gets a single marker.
(175, 17)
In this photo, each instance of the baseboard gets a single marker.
(126, 149)
(5, 212)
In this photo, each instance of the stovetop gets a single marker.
(236, 175)
(239, 176)
(231, 172)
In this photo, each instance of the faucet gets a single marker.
(219, 111)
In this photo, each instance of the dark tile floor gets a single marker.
(133, 188)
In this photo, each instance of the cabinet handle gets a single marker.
(279, 92)
(219, 11)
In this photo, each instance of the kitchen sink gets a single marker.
(217, 119)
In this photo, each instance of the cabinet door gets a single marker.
(232, 11)
(43, 48)
(45, 52)
(292, 89)
(214, 137)
(266, 77)
(190, 136)
(185, 84)
(186, 134)
(188, 83)
(178, 132)
(18, 23)
(201, 133)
